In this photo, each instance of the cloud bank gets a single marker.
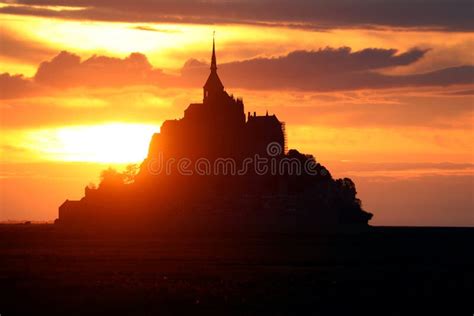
(447, 15)
(322, 70)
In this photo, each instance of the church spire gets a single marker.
(213, 86)
(213, 60)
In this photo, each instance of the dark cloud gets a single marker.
(453, 15)
(67, 70)
(14, 46)
(323, 70)
(330, 59)
(13, 86)
(468, 92)
(329, 70)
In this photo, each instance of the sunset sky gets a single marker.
(379, 91)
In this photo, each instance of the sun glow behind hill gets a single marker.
(105, 143)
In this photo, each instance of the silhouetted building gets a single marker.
(217, 127)
(215, 167)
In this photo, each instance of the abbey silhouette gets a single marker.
(217, 168)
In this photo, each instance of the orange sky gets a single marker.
(389, 104)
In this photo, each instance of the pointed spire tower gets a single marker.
(213, 59)
(213, 86)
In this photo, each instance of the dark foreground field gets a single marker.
(387, 271)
